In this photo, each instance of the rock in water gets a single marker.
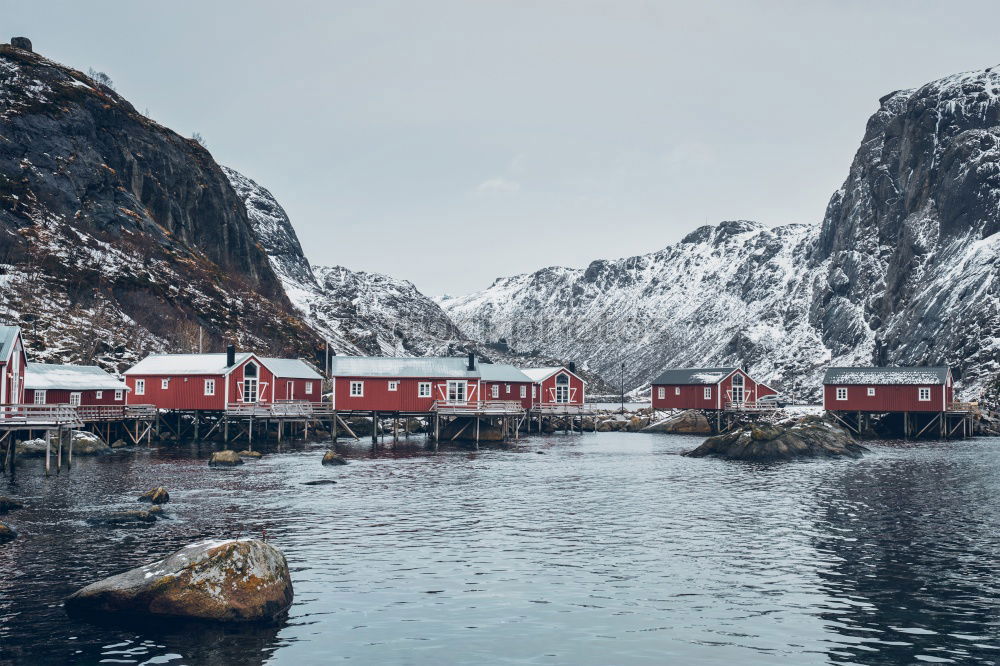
(321, 482)
(125, 518)
(240, 580)
(158, 495)
(7, 533)
(226, 457)
(251, 454)
(84, 444)
(332, 458)
(8, 504)
(808, 437)
(691, 422)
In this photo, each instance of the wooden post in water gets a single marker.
(374, 428)
(69, 456)
(48, 452)
(477, 433)
(59, 451)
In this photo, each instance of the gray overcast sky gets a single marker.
(449, 143)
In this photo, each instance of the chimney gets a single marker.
(21, 43)
(472, 361)
(572, 367)
(230, 355)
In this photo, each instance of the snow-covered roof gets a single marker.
(876, 376)
(379, 366)
(700, 376)
(185, 364)
(8, 334)
(541, 374)
(290, 368)
(501, 372)
(44, 376)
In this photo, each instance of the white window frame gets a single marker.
(209, 387)
(841, 393)
(524, 391)
(707, 392)
(677, 390)
(495, 391)
(98, 395)
(357, 389)
(165, 384)
(534, 390)
(393, 385)
(39, 397)
(74, 398)
(871, 391)
(661, 392)
(140, 387)
(460, 393)
(119, 394)
(507, 389)
(309, 387)
(424, 390)
(924, 394)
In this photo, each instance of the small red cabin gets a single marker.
(382, 384)
(500, 381)
(706, 388)
(13, 360)
(76, 385)
(209, 382)
(556, 386)
(888, 389)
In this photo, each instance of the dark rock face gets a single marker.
(7, 533)
(21, 43)
(809, 437)
(242, 580)
(333, 458)
(7, 504)
(902, 270)
(117, 232)
(692, 422)
(124, 518)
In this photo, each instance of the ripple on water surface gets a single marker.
(609, 549)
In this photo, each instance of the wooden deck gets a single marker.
(26, 417)
(478, 408)
(750, 406)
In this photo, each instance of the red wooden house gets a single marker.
(208, 382)
(13, 361)
(556, 386)
(409, 385)
(706, 388)
(46, 384)
(500, 381)
(888, 389)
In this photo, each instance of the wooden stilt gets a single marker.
(59, 450)
(48, 452)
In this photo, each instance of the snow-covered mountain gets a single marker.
(357, 311)
(902, 270)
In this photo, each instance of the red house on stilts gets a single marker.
(557, 387)
(714, 389)
(13, 360)
(47, 384)
(403, 385)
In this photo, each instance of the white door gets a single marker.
(291, 390)
(739, 395)
(456, 391)
(562, 388)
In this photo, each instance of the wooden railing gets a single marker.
(560, 408)
(92, 413)
(38, 416)
(281, 409)
(963, 406)
(478, 407)
(747, 406)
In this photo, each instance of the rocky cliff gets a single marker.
(118, 236)
(902, 269)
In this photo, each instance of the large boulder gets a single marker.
(808, 437)
(689, 422)
(333, 458)
(7, 533)
(247, 453)
(84, 444)
(225, 458)
(8, 504)
(158, 495)
(239, 580)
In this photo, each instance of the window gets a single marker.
(250, 383)
(165, 384)
(74, 399)
(534, 390)
(661, 393)
(677, 390)
(140, 387)
(98, 395)
(562, 388)
(508, 389)
(708, 393)
(309, 388)
(841, 393)
(393, 386)
(39, 397)
(119, 394)
(209, 387)
(524, 391)
(357, 389)
(456, 390)
(495, 391)
(424, 390)
(871, 391)
(924, 394)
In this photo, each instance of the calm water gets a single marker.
(609, 549)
